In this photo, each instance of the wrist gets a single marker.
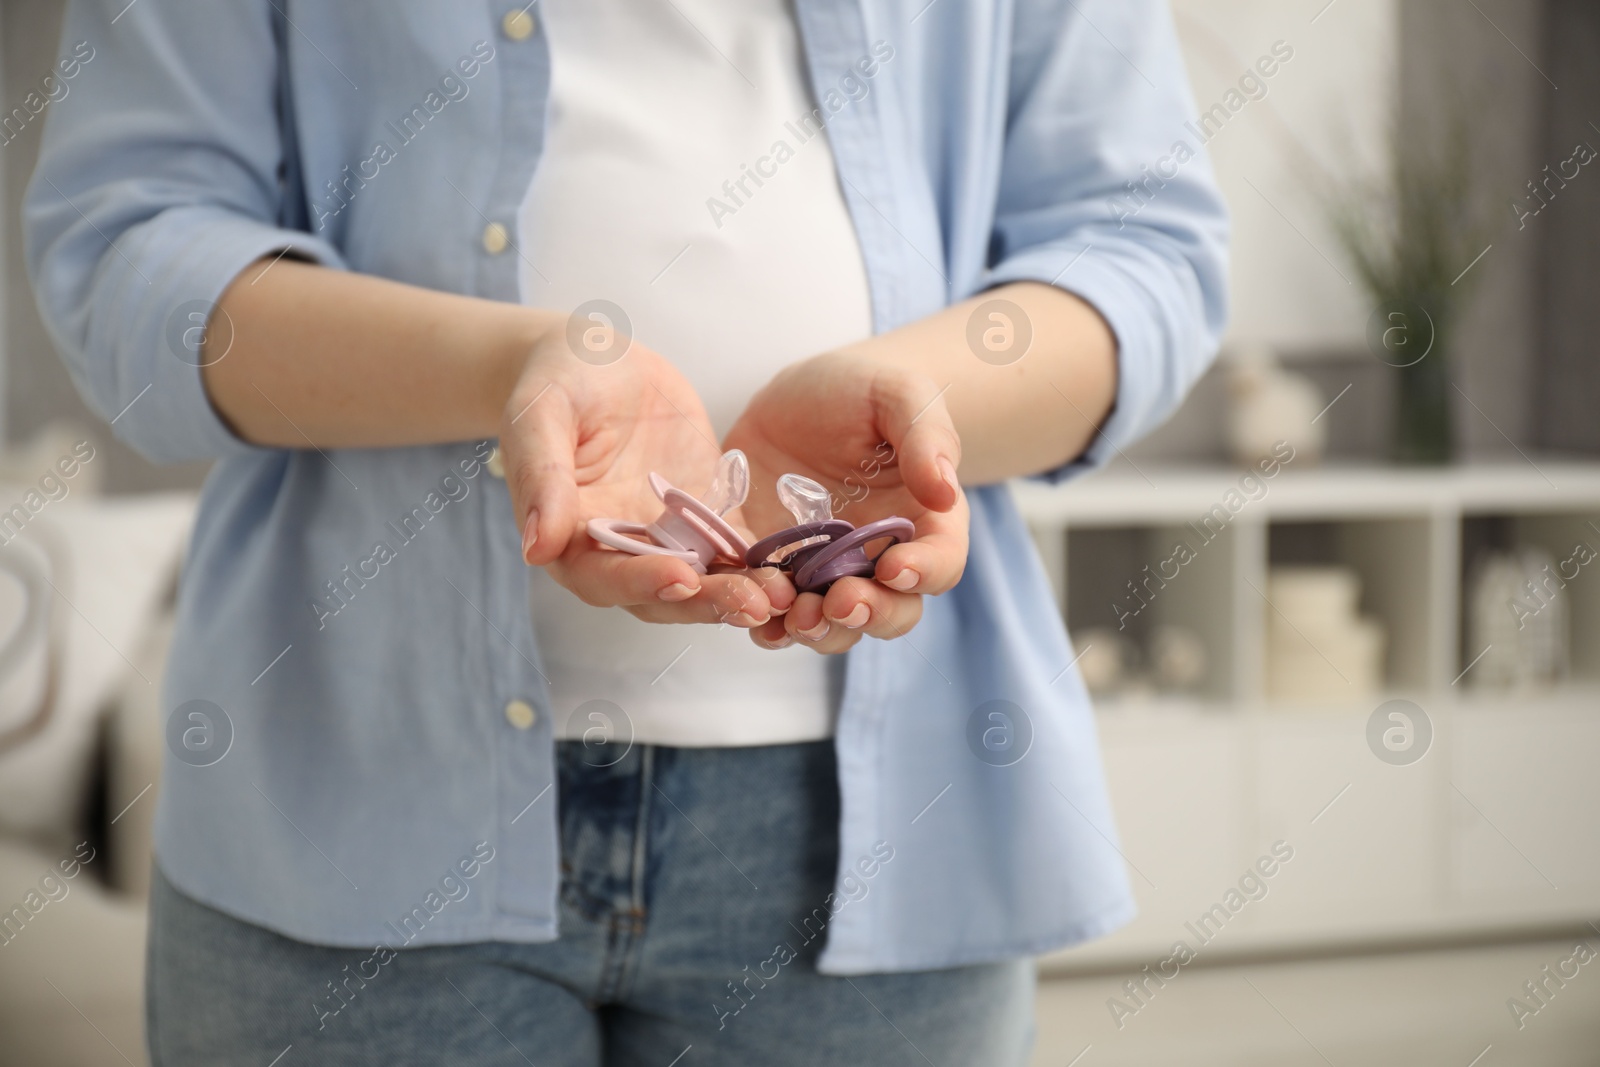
(516, 338)
(885, 374)
(882, 357)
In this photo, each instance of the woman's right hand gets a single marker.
(579, 438)
(309, 356)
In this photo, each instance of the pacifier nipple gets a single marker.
(806, 500)
(731, 484)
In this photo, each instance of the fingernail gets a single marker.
(857, 618)
(675, 592)
(817, 632)
(905, 581)
(744, 618)
(530, 533)
(947, 471)
(783, 642)
(772, 574)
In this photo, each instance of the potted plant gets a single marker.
(1411, 233)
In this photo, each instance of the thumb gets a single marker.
(914, 419)
(539, 446)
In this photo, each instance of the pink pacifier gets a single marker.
(821, 549)
(689, 529)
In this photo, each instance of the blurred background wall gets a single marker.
(1523, 347)
(1523, 350)
(35, 384)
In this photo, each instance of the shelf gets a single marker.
(1194, 548)
(1170, 494)
(1144, 709)
(1471, 837)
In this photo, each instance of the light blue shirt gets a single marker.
(371, 749)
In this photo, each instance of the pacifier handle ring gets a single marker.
(897, 528)
(760, 553)
(724, 538)
(614, 533)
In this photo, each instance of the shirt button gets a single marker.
(496, 465)
(495, 238)
(520, 713)
(518, 25)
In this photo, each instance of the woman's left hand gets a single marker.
(880, 438)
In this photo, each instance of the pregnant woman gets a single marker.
(434, 285)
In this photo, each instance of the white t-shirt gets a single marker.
(664, 190)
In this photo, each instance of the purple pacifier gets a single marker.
(689, 529)
(821, 549)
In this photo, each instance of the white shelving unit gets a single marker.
(1496, 829)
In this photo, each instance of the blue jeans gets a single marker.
(668, 953)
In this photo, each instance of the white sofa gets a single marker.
(85, 601)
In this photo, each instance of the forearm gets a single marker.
(300, 355)
(1023, 416)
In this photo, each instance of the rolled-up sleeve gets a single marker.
(1097, 198)
(159, 181)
